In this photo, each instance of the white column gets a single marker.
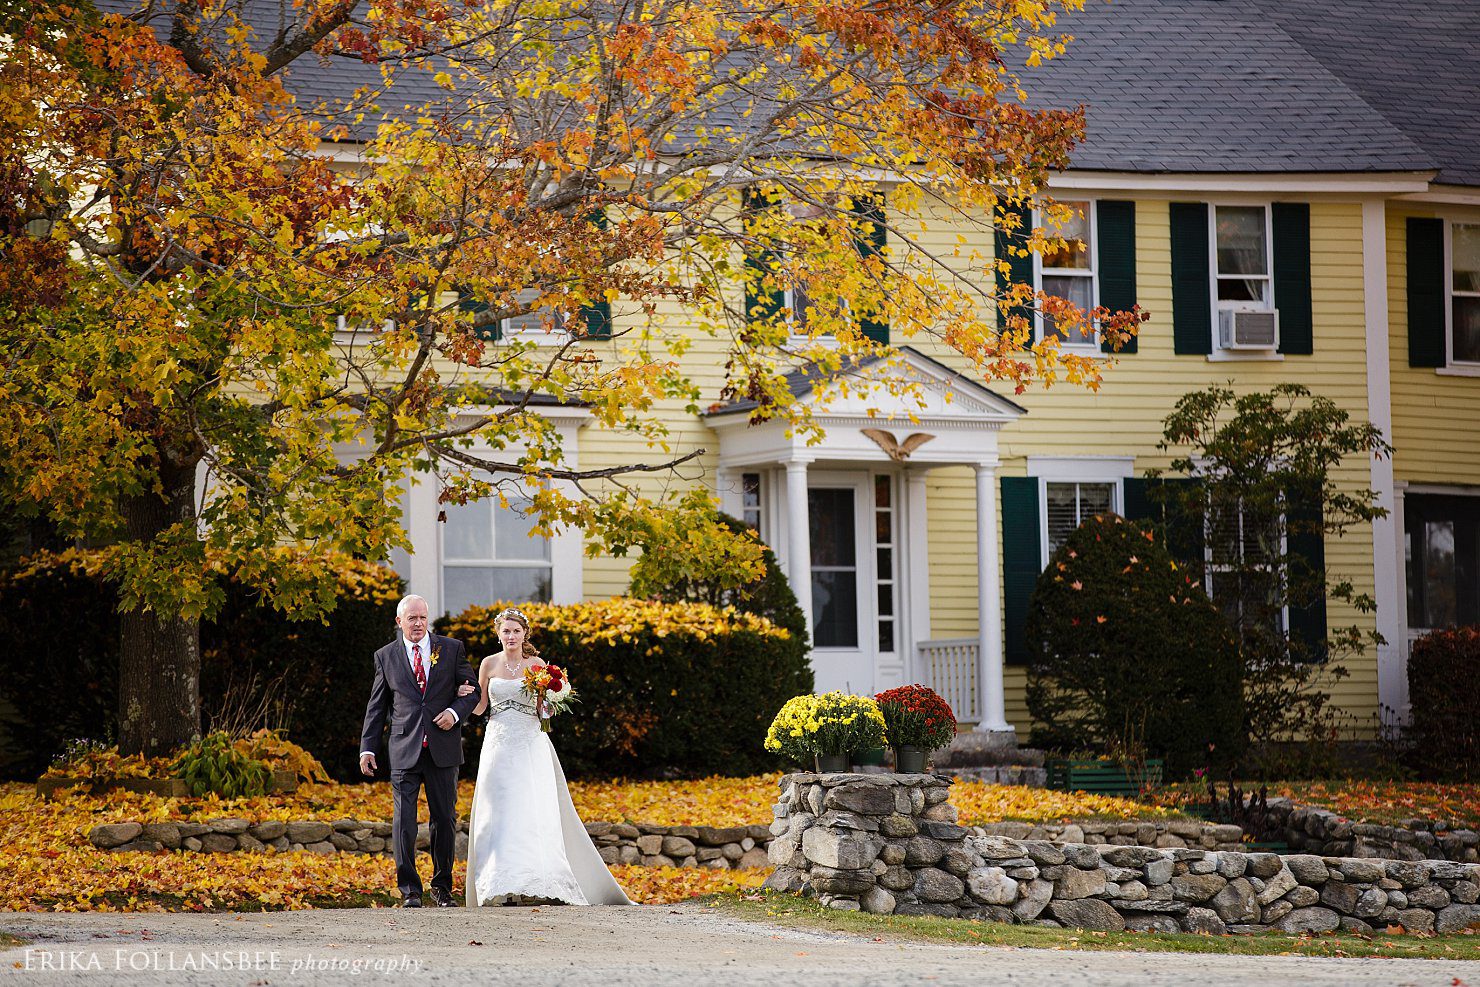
(1392, 618)
(993, 697)
(799, 536)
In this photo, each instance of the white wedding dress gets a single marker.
(524, 837)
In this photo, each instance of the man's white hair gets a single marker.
(406, 602)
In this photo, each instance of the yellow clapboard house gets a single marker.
(1292, 192)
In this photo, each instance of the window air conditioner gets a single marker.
(1244, 329)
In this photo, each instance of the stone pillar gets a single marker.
(799, 537)
(886, 844)
(993, 698)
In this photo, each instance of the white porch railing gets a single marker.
(951, 667)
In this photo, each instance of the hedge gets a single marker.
(1444, 694)
(666, 689)
(62, 674)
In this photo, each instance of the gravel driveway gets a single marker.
(682, 946)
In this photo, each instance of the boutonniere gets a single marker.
(436, 654)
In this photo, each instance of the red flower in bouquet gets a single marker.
(549, 687)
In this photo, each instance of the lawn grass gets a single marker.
(793, 911)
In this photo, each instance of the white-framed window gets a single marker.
(1070, 272)
(1067, 503)
(1242, 278)
(1463, 264)
(539, 325)
(1241, 552)
(489, 555)
(1072, 488)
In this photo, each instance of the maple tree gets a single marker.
(234, 317)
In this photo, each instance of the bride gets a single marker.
(524, 837)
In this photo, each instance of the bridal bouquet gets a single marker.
(549, 688)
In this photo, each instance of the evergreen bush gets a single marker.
(1129, 656)
(1443, 739)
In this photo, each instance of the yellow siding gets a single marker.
(1436, 418)
(1121, 419)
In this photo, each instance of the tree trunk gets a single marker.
(159, 661)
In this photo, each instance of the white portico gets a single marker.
(847, 520)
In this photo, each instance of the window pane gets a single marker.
(1063, 514)
(1439, 574)
(883, 493)
(1075, 254)
(835, 609)
(886, 635)
(1095, 498)
(522, 585)
(886, 563)
(750, 487)
(1467, 329)
(830, 519)
(1241, 240)
(1079, 291)
(468, 533)
(884, 527)
(1242, 289)
(513, 540)
(886, 599)
(1465, 251)
(463, 587)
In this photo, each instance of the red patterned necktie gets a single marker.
(421, 672)
(421, 678)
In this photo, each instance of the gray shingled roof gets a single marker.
(1211, 86)
(1208, 86)
(1416, 61)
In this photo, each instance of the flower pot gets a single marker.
(909, 760)
(872, 757)
(831, 763)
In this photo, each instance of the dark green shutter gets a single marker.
(1115, 250)
(1192, 294)
(1020, 269)
(493, 331)
(761, 303)
(1290, 225)
(1022, 561)
(1305, 545)
(871, 243)
(1166, 511)
(1426, 276)
(596, 317)
(1137, 504)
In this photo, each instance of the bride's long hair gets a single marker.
(530, 651)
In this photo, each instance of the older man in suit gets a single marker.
(416, 684)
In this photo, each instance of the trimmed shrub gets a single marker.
(258, 667)
(1129, 654)
(770, 596)
(1444, 694)
(666, 689)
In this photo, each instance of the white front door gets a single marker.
(840, 514)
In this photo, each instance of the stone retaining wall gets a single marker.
(618, 843)
(1160, 833)
(890, 844)
(1316, 830)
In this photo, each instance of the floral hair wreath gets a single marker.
(512, 612)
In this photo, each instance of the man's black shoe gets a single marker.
(442, 898)
(411, 901)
